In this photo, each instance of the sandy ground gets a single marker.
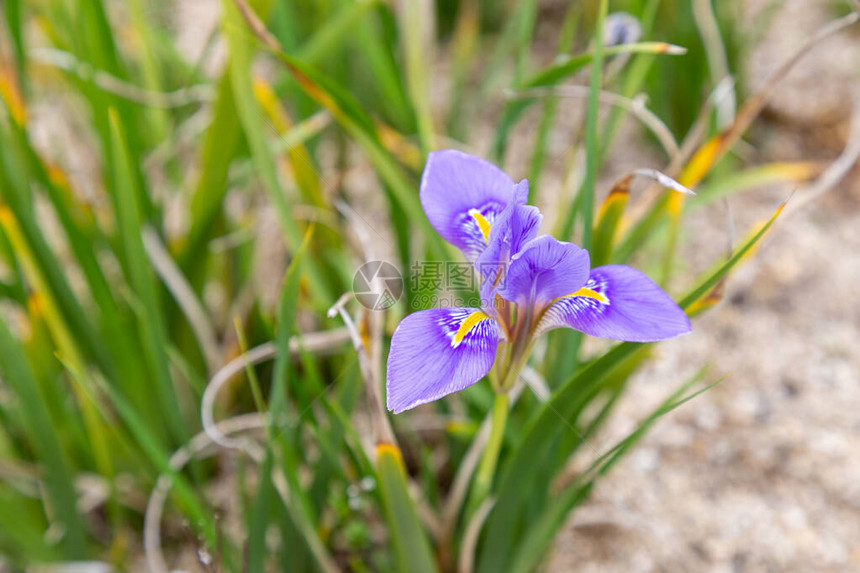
(760, 473)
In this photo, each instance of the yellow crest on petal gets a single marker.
(589, 293)
(471, 321)
(482, 222)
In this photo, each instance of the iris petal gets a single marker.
(543, 270)
(515, 226)
(462, 195)
(437, 352)
(620, 303)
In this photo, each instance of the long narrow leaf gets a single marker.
(408, 537)
(143, 282)
(58, 476)
(555, 73)
(532, 550)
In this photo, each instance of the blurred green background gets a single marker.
(181, 182)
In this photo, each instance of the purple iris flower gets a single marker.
(530, 284)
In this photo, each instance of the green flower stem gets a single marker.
(519, 357)
(487, 467)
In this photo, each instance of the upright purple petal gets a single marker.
(462, 195)
(439, 351)
(620, 303)
(543, 270)
(521, 192)
(515, 226)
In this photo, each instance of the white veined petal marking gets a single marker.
(472, 321)
(475, 225)
(460, 323)
(590, 299)
(593, 290)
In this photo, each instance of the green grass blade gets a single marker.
(346, 110)
(516, 18)
(592, 144)
(18, 196)
(250, 117)
(261, 514)
(635, 75)
(58, 477)
(79, 226)
(533, 547)
(464, 46)
(358, 125)
(283, 435)
(304, 171)
(329, 37)
(548, 113)
(408, 537)
(152, 447)
(287, 308)
(224, 137)
(674, 402)
(63, 339)
(554, 74)
(220, 145)
(383, 63)
(15, 24)
(639, 234)
(554, 417)
(416, 22)
(22, 531)
(711, 279)
(607, 222)
(158, 120)
(525, 30)
(758, 176)
(143, 283)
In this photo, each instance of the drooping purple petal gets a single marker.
(543, 270)
(439, 351)
(515, 226)
(620, 303)
(462, 195)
